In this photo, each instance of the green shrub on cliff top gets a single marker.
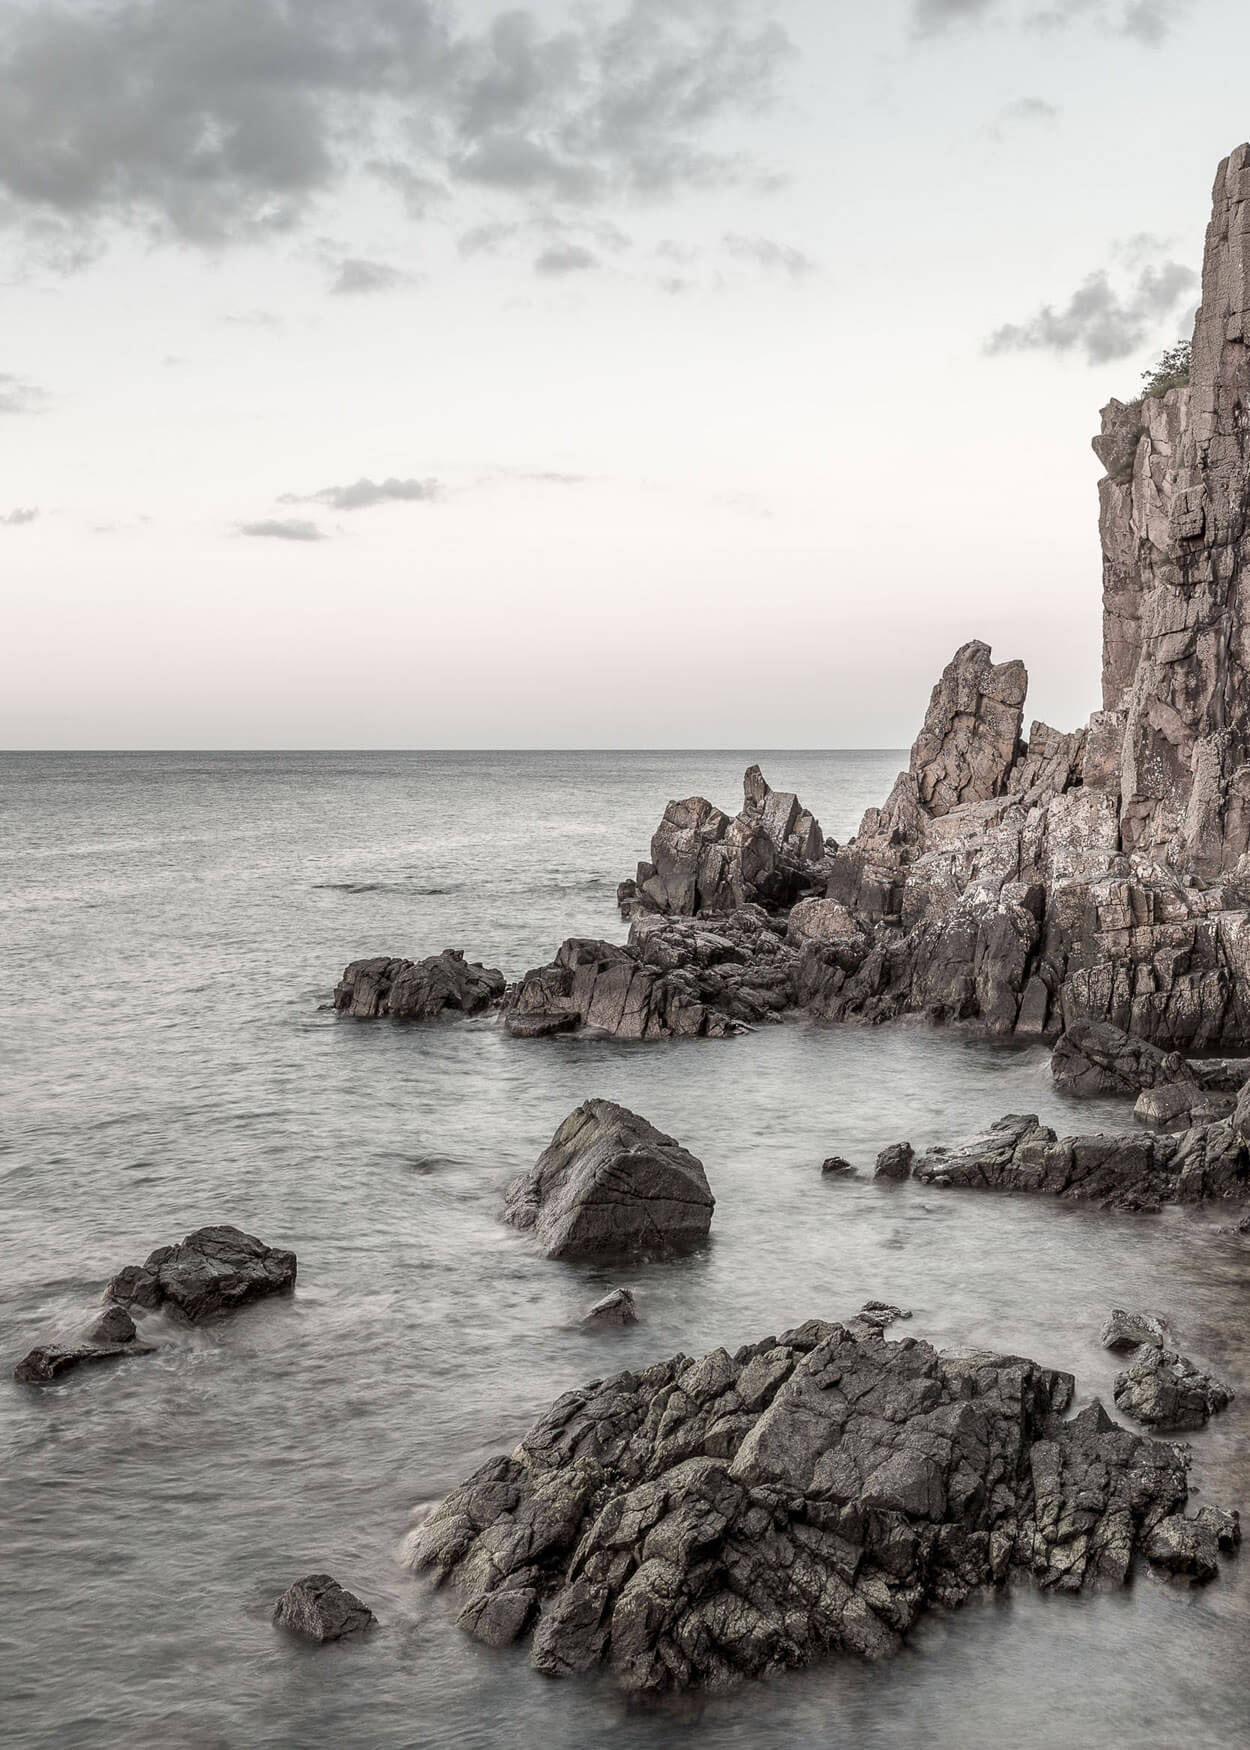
(1169, 371)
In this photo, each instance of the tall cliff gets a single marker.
(1176, 574)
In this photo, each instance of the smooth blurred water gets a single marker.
(170, 930)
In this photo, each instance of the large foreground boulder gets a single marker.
(706, 1520)
(610, 1183)
(214, 1270)
(417, 990)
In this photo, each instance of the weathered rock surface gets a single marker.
(50, 1361)
(971, 735)
(1165, 1390)
(702, 861)
(611, 1183)
(1141, 1170)
(835, 1167)
(706, 1520)
(417, 990)
(1128, 1330)
(675, 978)
(895, 1161)
(615, 1308)
(214, 1270)
(319, 1608)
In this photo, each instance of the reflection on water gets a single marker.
(170, 927)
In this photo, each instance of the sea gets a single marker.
(171, 930)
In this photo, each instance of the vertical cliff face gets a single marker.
(1176, 574)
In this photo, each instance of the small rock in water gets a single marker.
(616, 1308)
(880, 1313)
(895, 1162)
(114, 1325)
(1187, 1547)
(51, 1360)
(213, 1270)
(1165, 1390)
(836, 1168)
(1225, 1526)
(1127, 1330)
(322, 1609)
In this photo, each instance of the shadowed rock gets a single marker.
(1165, 1390)
(214, 1270)
(706, 1520)
(895, 1161)
(322, 1610)
(417, 990)
(1126, 1330)
(51, 1361)
(611, 1183)
(616, 1308)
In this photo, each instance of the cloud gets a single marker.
(366, 493)
(777, 257)
(1099, 321)
(1028, 110)
(562, 258)
(1147, 21)
(358, 277)
(283, 529)
(16, 518)
(19, 396)
(223, 122)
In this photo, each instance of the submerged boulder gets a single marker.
(322, 1610)
(706, 1520)
(214, 1270)
(611, 1183)
(417, 990)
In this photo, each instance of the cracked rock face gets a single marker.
(417, 990)
(1165, 1390)
(322, 1610)
(610, 1183)
(971, 734)
(214, 1270)
(727, 1517)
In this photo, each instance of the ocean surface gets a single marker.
(171, 927)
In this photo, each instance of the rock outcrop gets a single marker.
(322, 1610)
(214, 1270)
(769, 854)
(611, 1184)
(113, 1335)
(707, 1520)
(417, 990)
(1165, 1390)
(1140, 1170)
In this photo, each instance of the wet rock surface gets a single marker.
(1165, 1390)
(51, 1361)
(610, 1183)
(1129, 1330)
(705, 1520)
(616, 1308)
(895, 1161)
(322, 1610)
(417, 990)
(214, 1270)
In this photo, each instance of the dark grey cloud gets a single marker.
(764, 252)
(283, 529)
(1100, 321)
(356, 277)
(215, 121)
(19, 396)
(363, 494)
(1148, 21)
(16, 518)
(564, 258)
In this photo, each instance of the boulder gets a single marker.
(1185, 1547)
(1165, 1390)
(214, 1270)
(895, 1161)
(837, 1168)
(611, 1183)
(615, 1308)
(322, 1610)
(971, 734)
(1096, 1057)
(700, 1521)
(1137, 1171)
(1128, 1330)
(417, 990)
(47, 1363)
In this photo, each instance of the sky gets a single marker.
(633, 373)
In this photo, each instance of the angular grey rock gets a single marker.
(1095, 1057)
(615, 1308)
(114, 1325)
(971, 734)
(706, 1520)
(419, 990)
(322, 1610)
(1165, 1390)
(44, 1365)
(895, 1161)
(702, 861)
(837, 1168)
(1186, 1547)
(1128, 1330)
(214, 1270)
(611, 1183)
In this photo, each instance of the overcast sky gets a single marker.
(635, 373)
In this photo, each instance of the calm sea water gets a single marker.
(170, 930)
